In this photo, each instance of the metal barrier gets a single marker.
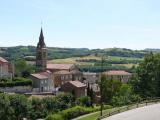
(142, 103)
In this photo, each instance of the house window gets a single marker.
(70, 76)
(81, 93)
(41, 81)
(45, 88)
(62, 78)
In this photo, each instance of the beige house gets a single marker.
(42, 81)
(120, 75)
(91, 78)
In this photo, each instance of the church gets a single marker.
(50, 76)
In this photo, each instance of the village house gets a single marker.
(77, 88)
(50, 77)
(63, 73)
(4, 68)
(96, 92)
(91, 78)
(120, 75)
(42, 81)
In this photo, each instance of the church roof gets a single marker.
(41, 43)
(52, 66)
(62, 72)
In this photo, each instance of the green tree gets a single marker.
(149, 76)
(22, 68)
(38, 109)
(20, 106)
(110, 88)
(6, 111)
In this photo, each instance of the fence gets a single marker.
(142, 103)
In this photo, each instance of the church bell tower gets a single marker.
(41, 54)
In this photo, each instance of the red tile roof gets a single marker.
(117, 72)
(41, 75)
(3, 60)
(59, 66)
(77, 84)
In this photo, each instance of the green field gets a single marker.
(72, 60)
(76, 60)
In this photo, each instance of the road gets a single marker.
(151, 112)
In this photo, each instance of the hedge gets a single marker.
(16, 82)
(74, 112)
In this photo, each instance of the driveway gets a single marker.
(151, 112)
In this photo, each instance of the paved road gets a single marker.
(151, 112)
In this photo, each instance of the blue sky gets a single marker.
(131, 24)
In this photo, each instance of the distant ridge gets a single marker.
(16, 52)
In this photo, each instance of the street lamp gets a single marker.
(102, 62)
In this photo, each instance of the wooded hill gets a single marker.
(11, 53)
(86, 59)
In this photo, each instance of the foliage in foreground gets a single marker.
(117, 93)
(16, 107)
(71, 113)
(147, 81)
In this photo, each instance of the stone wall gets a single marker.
(16, 89)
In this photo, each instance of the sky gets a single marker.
(133, 24)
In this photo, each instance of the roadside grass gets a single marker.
(95, 115)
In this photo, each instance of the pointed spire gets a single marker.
(41, 43)
(41, 33)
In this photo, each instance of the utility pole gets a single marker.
(102, 61)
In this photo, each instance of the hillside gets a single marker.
(11, 53)
(87, 60)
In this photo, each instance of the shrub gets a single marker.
(5, 82)
(107, 107)
(54, 117)
(85, 101)
(73, 112)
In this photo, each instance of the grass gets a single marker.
(95, 115)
